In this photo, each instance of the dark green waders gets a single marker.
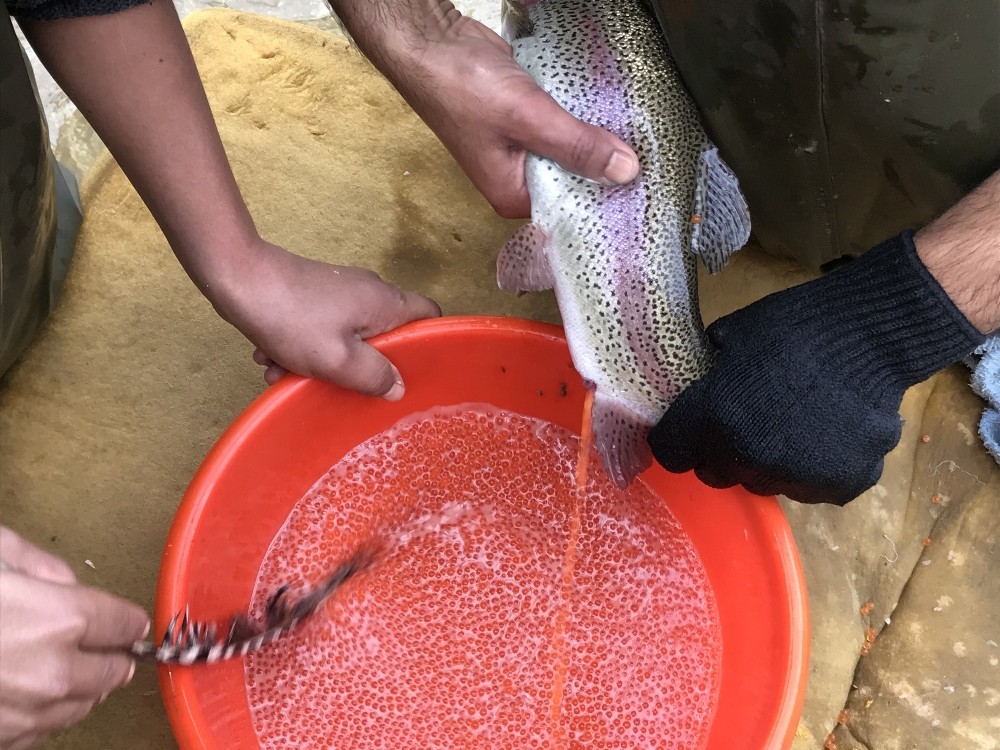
(39, 205)
(846, 122)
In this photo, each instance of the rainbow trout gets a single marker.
(622, 260)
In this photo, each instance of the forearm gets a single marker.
(391, 32)
(395, 36)
(133, 77)
(962, 250)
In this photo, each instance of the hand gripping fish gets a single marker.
(622, 260)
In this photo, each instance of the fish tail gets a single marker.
(620, 436)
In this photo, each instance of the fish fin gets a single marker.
(522, 265)
(620, 437)
(514, 21)
(721, 221)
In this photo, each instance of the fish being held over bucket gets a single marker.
(622, 260)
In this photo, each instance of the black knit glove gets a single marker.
(804, 397)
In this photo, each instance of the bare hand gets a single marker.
(56, 642)
(463, 81)
(312, 318)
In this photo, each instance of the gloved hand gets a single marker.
(804, 397)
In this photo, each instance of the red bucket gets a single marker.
(278, 448)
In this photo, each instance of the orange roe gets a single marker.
(509, 607)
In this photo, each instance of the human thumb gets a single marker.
(578, 147)
(370, 373)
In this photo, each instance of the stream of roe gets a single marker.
(509, 607)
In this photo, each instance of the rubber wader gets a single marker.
(846, 122)
(40, 211)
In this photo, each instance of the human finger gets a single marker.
(405, 307)
(32, 726)
(21, 555)
(94, 676)
(550, 131)
(274, 373)
(109, 622)
(370, 373)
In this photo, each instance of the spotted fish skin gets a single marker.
(622, 260)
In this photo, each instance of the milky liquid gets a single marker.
(458, 635)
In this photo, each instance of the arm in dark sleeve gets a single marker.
(50, 10)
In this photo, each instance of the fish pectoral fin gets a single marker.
(514, 20)
(620, 436)
(721, 218)
(522, 265)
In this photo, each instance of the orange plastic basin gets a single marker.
(294, 432)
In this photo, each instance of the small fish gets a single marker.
(622, 260)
